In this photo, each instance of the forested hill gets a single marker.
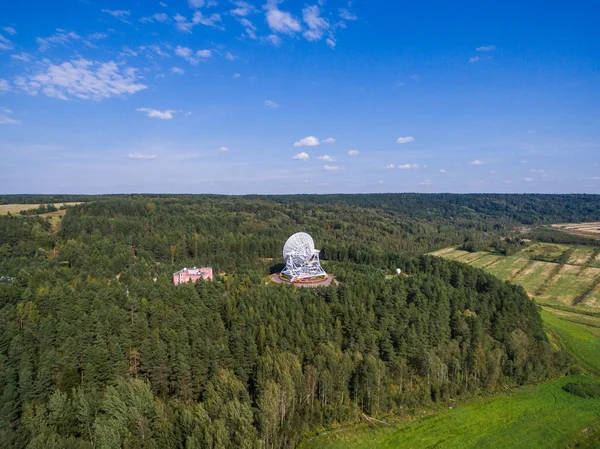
(95, 353)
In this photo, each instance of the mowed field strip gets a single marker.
(574, 283)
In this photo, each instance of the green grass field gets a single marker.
(542, 416)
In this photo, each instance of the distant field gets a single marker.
(585, 229)
(14, 209)
(540, 416)
(576, 282)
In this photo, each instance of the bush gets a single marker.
(586, 390)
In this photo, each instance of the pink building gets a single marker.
(192, 274)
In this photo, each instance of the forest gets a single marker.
(99, 349)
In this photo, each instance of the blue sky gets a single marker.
(287, 96)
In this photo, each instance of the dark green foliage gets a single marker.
(583, 389)
(99, 349)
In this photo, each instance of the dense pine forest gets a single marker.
(99, 349)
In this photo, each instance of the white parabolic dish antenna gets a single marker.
(301, 257)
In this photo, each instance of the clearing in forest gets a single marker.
(14, 209)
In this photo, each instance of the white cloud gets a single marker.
(159, 51)
(280, 21)
(249, 28)
(473, 59)
(476, 162)
(191, 57)
(5, 44)
(427, 182)
(528, 179)
(97, 36)
(223, 149)
(486, 48)
(507, 181)
(153, 113)
(21, 57)
(328, 140)
(243, 9)
(59, 38)
(164, 5)
(236, 75)
(326, 158)
(182, 24)
(4, 85)
(301, 156)
(317, 26)
(229, 56)
(331, 42)
(5, 118)
(10, 30)
(196, 3)
(405, 139)
(353, 153)
(141, 156)
(209, 21)
(390, 166)
(118, 14)
(346, 15)
(523, 161)
(443, 171)
(309, 141)
(160, 17)
(408, 166)
(492, 171)
(271, 104)
(272, 39)
(531, 131)
(83, 79)
(332, 168)
(177, 70)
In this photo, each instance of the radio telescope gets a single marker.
(301, 258)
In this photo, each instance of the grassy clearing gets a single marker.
(581, 256)
(542, 416)
(486, 260)
(535, 276)
(568, 284)
(14, 209)
(444, 251)
(507, 267)
(581, 339)
(593, 299)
